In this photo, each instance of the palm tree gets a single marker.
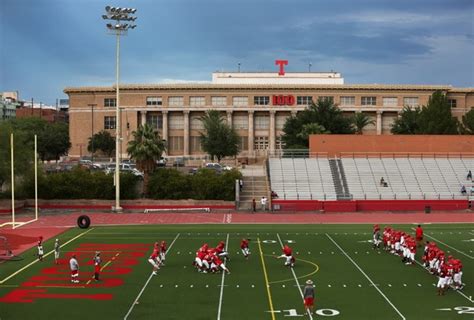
(146, 148)
(360, 121)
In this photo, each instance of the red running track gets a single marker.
(50, 226)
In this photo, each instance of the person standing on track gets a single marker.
(56, 251)
(308, 296)
(419, 236)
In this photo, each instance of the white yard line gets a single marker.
(447, 245)
(222, 284)
(146, 283)
(365, 275)
(33, 262)
(460, 292)
(296, 279)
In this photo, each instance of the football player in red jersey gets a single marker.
(163, 248)
(155, 260)
(97, 262)
(244, 246)
(220, 250)
(288, 255)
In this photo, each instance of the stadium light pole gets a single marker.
(122, 20)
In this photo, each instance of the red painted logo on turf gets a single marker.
(118, 257)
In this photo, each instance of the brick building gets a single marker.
(255, 104)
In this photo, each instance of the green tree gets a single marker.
(309, 129)
(436, 116)
(323, 113)
(146, 148)
(361, 120)
(467, 126)
(53, 141)
(408, 122)
(218, 139)
(102, 141)
(23, 152)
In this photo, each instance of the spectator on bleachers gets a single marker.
(472, 190)
(274, 195)
(469, 175)
(382, 182)
(463, 190)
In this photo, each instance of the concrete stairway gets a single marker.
(255, 187)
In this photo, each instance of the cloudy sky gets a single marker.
(46, 45)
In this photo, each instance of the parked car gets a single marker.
(133, 171)
(217, 166)
(162, 162)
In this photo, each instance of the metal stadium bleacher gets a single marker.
(407, 177)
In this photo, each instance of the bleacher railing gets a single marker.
(296, 153)
(376, 196)
(418, 155)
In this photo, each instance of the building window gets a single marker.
(369, 101)
(240, 101)
(410, 101)
(304, 100)
(348, 101)
(261, 143)
(219, 101)
(195, 144)
(279, 143)
(262, 122)
(326, 99)
(196, 123)
(261, 100)
(175, 143)
(240, 122)
(175, 101)
(154, 101)
(155, 121)
(109, 122)
(452, 103)
(176, 121)
(280, 122)
(110, 102)
(197, 101)
(243, 143)
(390, 101)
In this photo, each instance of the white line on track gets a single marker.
(33, 262)
(296, 279)
(222, 283)
(370, 280)
(447, 245)
(146, 283)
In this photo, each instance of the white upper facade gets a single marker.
(277, 78)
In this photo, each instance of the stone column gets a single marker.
(164, 132)
(379, 122)
(186, 133)
(229, 118)
(251, 131)
(271, 139)
(142, 118)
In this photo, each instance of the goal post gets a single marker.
(15, 223)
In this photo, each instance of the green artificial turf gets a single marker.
(361, 283)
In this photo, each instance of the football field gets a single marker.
(352, 280)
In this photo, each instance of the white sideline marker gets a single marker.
(370, 280)
(222, 284)
(146, 283)
(296, 279)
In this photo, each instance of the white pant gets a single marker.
(162, 256)
(442, 282)
(154, 263)
(457, 277)
(56, 255)
(198, 262)
(246, 251)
